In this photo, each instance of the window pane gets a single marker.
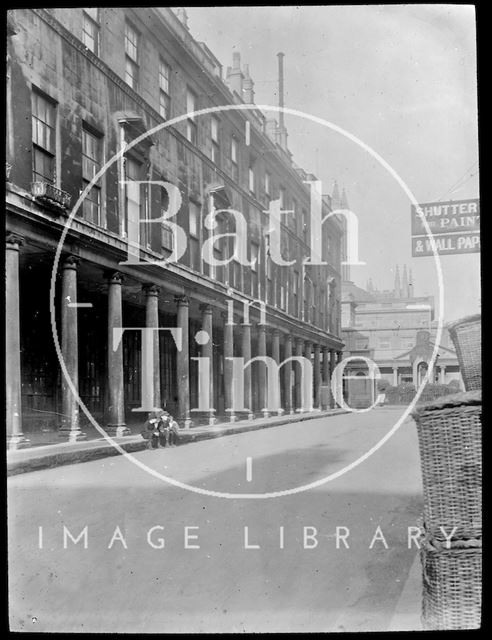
(251, 180)
(132, 169)
(131, 42)
(43, 166)
(91, 155)
(91, 206)
(214, 129)
(191, 131)
(215, 153)
(194, 213)
(190, 103)
(254, 257)
(194, 254)
(167, 237)
(90, 34)
(164, 105)
(131, 74)
(282, 198)
(164, 74)
(43, 123)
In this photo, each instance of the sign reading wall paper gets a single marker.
(455, 226)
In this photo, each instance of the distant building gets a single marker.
(396, 330)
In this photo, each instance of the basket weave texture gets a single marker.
(452, 587)
(450, 443)
(467, 340)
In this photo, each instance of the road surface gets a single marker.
(159, 558)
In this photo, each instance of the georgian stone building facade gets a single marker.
(397, 330)
(83, 85)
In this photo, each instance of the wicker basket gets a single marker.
(467, 339)
(452, 586)
(450, 443)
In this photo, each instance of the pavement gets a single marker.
(291, 529)
(54, 455)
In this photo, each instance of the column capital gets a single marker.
(205, 308)
(182, 300)
(260, 326)
(316, 346)
(13, 241)
(70, 262)
(114, 277)
(298, 341)
(275, 332)
(150, 289)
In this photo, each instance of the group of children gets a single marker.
(160, 430)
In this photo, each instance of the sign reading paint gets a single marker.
(455, 226)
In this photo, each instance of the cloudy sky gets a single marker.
(400, 78)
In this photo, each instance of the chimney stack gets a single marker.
(280, 57)
(248, 87)
(282, 131)
(235, 76)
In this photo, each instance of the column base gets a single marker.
(72, 435)
(232, 417)
(204, 417)
(265, 413)
(117, 430)
(280, 412)
(187, 423)
(244, 415)
(17, 441)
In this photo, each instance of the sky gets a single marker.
(402, 79)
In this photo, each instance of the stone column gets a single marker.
(395, 376)
(116, 398)
(262, 371)
(207, 351)
(332, 369)
(326, 366)
(15, 437)
(316, 376)
(70, 427)
(276, 345)
(288, 374)
(152, 321)
(228, 368)
(442, 374)
(276, 357)
(246, 355)
(326, 376)
(308, 354)
(183, 363)
(299, 352)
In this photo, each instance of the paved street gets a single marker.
(222, 586)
